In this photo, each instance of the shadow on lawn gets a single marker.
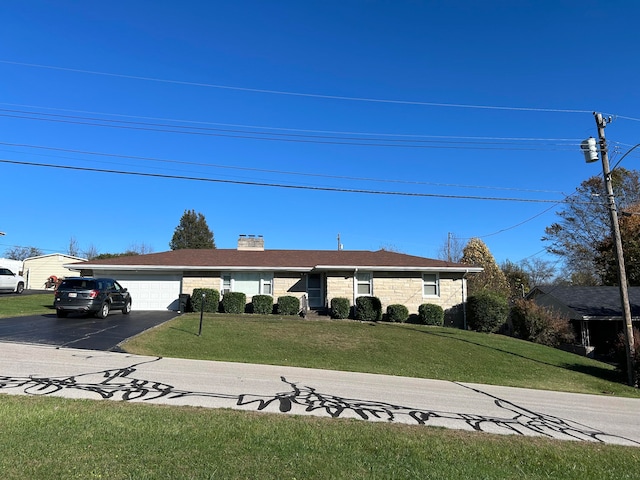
(592, 370)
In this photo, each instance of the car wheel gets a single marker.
(20, 288)
(104, 310)
(127, 308)
(61, 314)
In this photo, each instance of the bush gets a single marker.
(262, 304)
(234, 302)
(340, 308)
(539, 325)
(368, 309)
(621, 353)
(211, 300)
(431, 314)
(487, 312)
(288, 305)
(397, 313)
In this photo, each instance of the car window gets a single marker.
(5, 271)
(77, 284)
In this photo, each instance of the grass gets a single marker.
(52, 438)
(19, 306)
(386, 348)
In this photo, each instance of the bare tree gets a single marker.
(90, 252)
(452, 249)
(73, 248)
(20, 253)
(540, 271)
(140, 248)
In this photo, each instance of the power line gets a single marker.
(571, 141)
(278, 185)
(280, 172)
(291, 93)
(314, 139)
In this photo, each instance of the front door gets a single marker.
(314, 290)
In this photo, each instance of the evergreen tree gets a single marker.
(192, 232)
(491, 279)
(517, 279)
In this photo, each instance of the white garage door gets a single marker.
(151, 291)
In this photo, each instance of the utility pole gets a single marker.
(601, 123)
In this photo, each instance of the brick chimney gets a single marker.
(251, 242)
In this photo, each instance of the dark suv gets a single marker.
(91, 295)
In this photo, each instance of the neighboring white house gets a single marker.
(14, 265)
(37, 270)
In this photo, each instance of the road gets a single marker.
(76, 373)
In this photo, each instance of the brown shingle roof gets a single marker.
(278, 259)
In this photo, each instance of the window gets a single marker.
(249, 283)
(430, 285)
(266, 283)
(364, 284)
(226, 284)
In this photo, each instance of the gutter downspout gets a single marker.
(464, 300)
(355, 286)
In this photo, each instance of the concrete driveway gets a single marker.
(80, 331)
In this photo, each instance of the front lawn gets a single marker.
(386, 348)
(19, 306)
(53, 438)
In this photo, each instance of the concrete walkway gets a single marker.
(72, 373)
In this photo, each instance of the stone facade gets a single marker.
(403, 288)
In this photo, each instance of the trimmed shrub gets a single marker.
(487, 312)
(539, 325)
(234, 302)
(288, 305)
(368, 309)
(340, 308)
(262, 304)
(431, 314)
(211, 300)
(397, 313)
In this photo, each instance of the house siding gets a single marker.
(37, 270)
(193, 280)
(293, 284)
(403, 288)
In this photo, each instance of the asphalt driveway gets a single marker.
(80, 331)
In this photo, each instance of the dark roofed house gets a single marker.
(156, 280)
(594, 312)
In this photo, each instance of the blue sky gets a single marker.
(472, 112)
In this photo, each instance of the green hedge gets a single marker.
(234, 302)
(368, 309)
(487, 312)
(262, 304)
(288, 305)
(397, 313)
(340, 308)
(211, 300)
(431, 314)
